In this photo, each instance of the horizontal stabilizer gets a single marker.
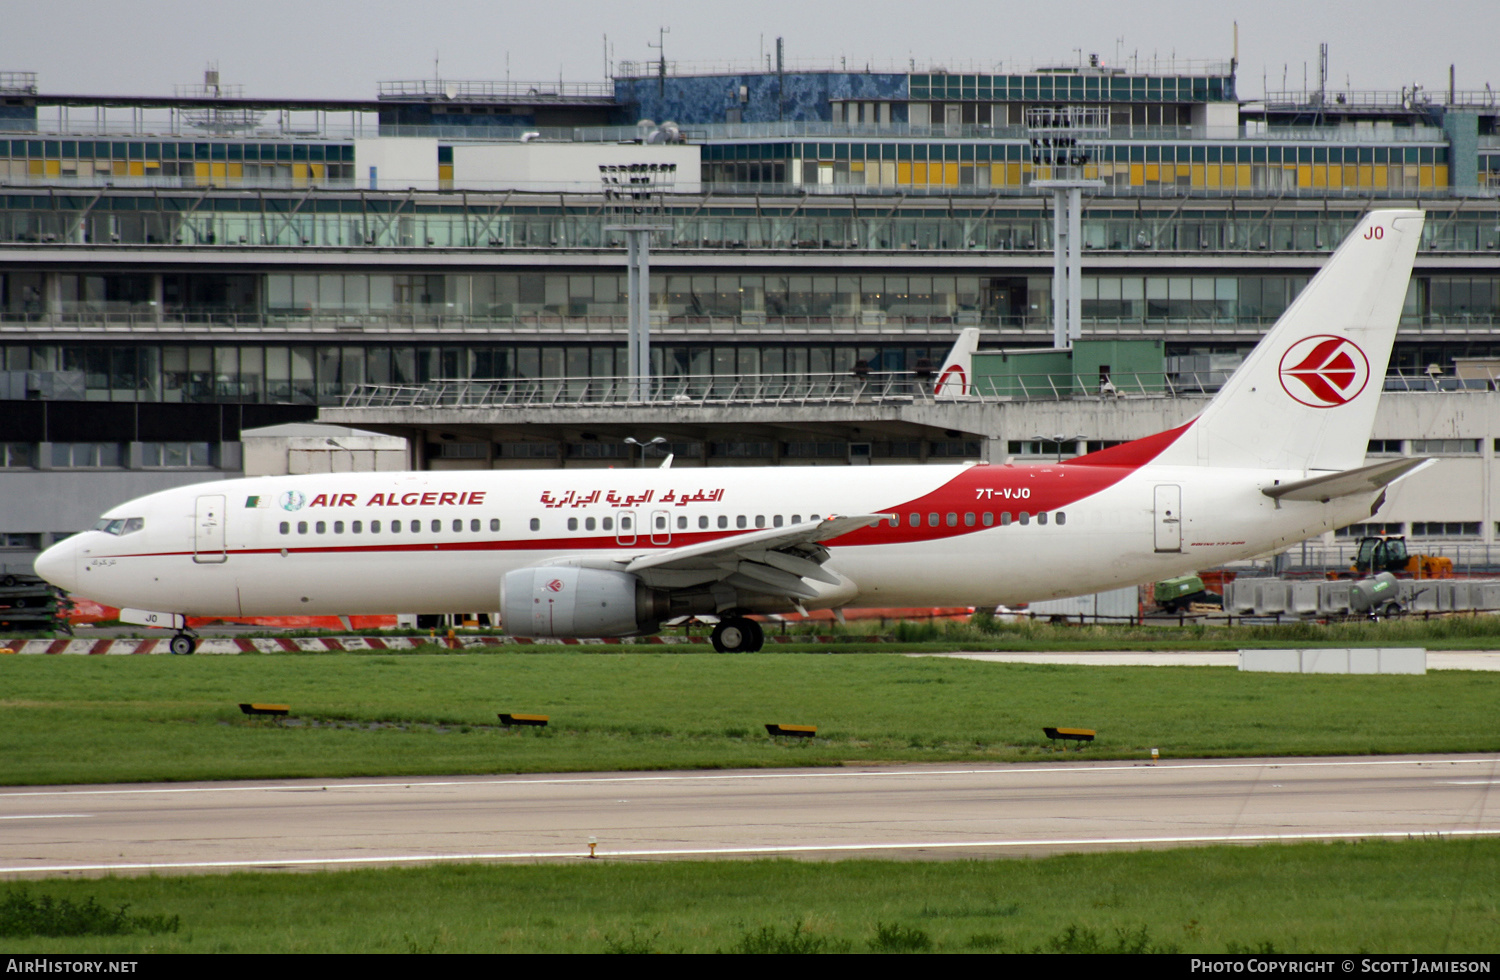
(1366, 479)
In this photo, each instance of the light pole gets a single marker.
(1058, 441)
(632, 441)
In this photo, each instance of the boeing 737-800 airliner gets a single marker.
(1277, 456)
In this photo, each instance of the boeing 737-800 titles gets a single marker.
(1276, 457)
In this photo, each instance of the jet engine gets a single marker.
(567, 600)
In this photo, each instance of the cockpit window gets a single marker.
(120, 525)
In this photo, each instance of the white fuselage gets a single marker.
(325, 544)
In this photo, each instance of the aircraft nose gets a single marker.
(59, 565)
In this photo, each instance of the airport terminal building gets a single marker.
(177, 270)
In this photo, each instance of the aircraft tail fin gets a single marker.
(956, 376)
(1305, 397)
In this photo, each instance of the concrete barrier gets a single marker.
(1337, 660)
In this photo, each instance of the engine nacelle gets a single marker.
(566, 600)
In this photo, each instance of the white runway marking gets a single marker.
(849, 773)
(709, 852)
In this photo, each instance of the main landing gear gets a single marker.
(183, 643)
(738, 635)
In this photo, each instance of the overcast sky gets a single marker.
(342, 48)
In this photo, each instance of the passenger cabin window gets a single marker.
(286, 528)
(1061, 518)
(495, 523)
(1025, 518)
(536, 523)
(374, 527)
(988, 519)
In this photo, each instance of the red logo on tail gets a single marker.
(953, 377)
(1324, 371)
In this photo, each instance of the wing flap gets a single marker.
(783, 561)
(744, 545)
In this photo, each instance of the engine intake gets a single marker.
(566, 600)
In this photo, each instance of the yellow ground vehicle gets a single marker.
(1377, 555)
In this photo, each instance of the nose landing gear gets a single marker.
(183, 643)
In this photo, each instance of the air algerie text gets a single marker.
(469, 498)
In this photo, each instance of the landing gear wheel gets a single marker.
(183, 644)
(738, 635)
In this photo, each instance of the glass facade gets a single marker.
(1158, 166)
(485, 224)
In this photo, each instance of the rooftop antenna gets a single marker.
(1322, 72)
(661, 68)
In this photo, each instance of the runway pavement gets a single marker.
(911, 811)
(1436, 659)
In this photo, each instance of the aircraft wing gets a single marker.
(1365, 479)
(776, 561)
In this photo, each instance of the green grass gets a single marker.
(119, 719)
(983, 632)
(1405, 897)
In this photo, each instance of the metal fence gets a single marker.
(874, 387)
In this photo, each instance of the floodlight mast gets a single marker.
(633, 199)
(1064, 148)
